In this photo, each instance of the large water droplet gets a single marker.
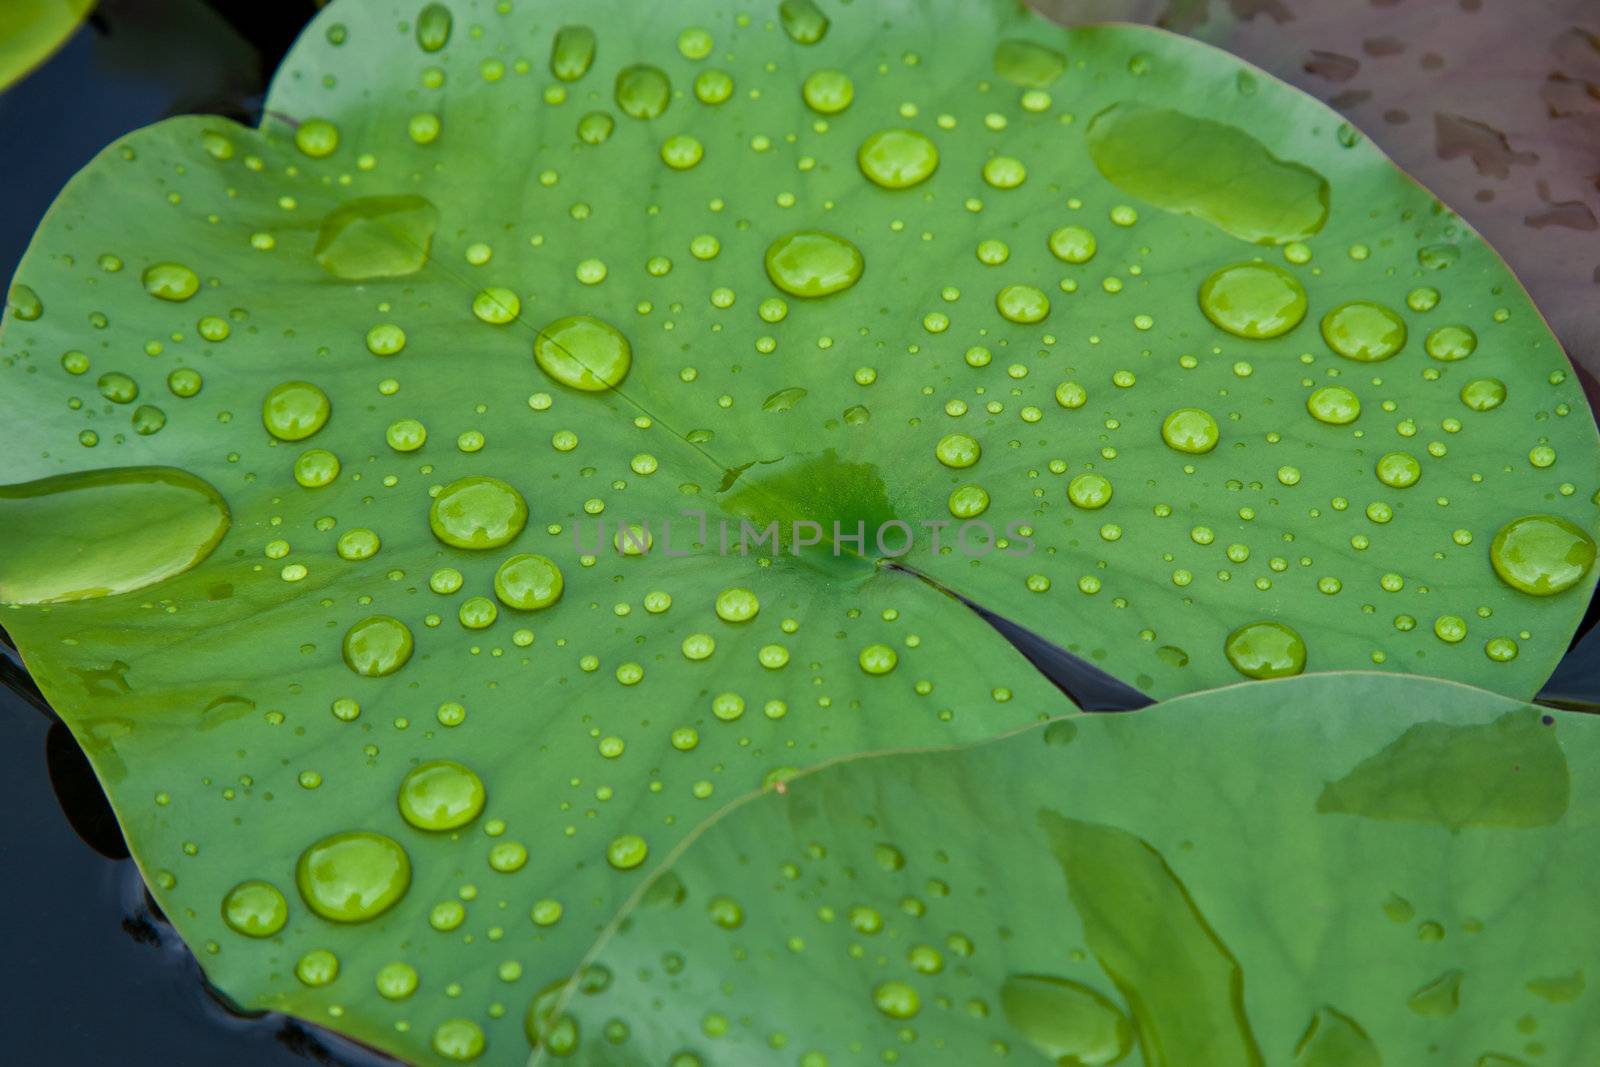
(584, 353)
(1067, 1021)
(1266, 650)
(811, 263)
(1236, 184)
(1541, 555)
(1190, 430)
(477, 512)
(440, 795)
(1440, 998)
(1253, 300)
(100, 533)
(354, 876)
(897, 159)
(377, 237)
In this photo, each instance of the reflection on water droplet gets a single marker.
(1253, 300)
(1334, 405)
(1450, 343)
(1266, 650)
(458, 1039)
(377, 237)
(1541, 555)
(1236, 184)
(100, 533)
(811, 263)
(353, 877)
(1067, 1021)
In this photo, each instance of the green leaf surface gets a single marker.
(1023, 899)
(31, 30)
(293, 408)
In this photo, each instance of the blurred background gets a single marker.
(1494, 105)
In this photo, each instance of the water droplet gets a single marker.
(803, 21)
(1253, 300)
(1236, 184)
(477, 512)
(293, 411)
(1450, 343)
(1398, 470)
(897, 1000)
(957, 451)
(572, 53)
(1028, 64)
(1333, 1039)
(1089, 491)
(877, 659)
(1542, 555)
(627, 852)
(354, 876)
(1440, 998)
(643, 91)
(1484, 394)
(737, 605)
(1364, 331)
(317, 138)
(828, 92)
(969, 501)
(681, 152)
(317, 967)
(440, 795)
(496, 306)
(377, 645)
(171, 281)
(1022, 304)
(897, 159)
(583, 353)
(1072, 244)
(1266, 650)
(458, 1040)
(1068, 1022)
(528, 582)
(1334, 405)
(25, 303)
(433, 27)
(377, 237)
(396, 981)
(811, 263)
(255, 909)
(1190, 430)
(784, 399)
(101, 533)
